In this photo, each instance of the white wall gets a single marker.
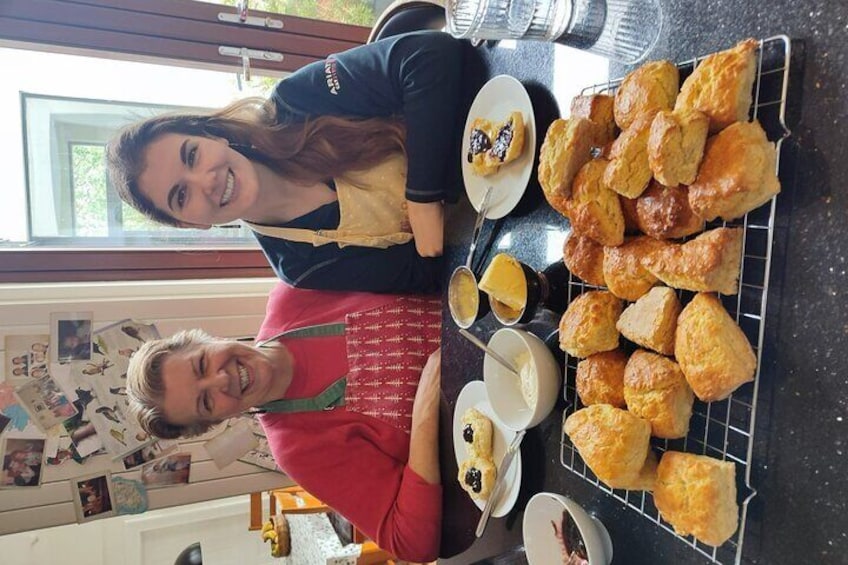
(226, 308)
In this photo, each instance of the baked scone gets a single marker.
(708, 263)
(508, 140)
(594, 210)
(628, 172)
(623, 271)
(712, 349)
(721, 85)
(651, 321)
(477, 476)
(585, 258)
(566, 148)
(598, 109)
(631, 216)
(615, 444)
(479, 142)
(600, 378)
(656, 390)
(696, 494)
(646, 90)
(663, 212)
(738, 173)
(477, 433)
(676, 145)
(588, 325)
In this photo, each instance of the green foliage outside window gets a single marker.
(354, 12)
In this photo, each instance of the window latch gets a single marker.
(246, 55)
(242, 17)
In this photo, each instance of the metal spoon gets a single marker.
(478, 225)
(489, 351)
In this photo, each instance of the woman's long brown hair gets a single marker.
(304, 152)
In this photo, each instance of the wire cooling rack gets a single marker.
(725, 429)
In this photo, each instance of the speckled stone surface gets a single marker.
(800, 468)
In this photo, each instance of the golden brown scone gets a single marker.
(652, 320)
(600, 378)
(708, 263)
(721, 84)
(738, 173)
(676, 145)
(477, 433)
(585, 258)
(507, 142)
(696, 494)
(646, 90)
(614, 444)
(477, 476)
(567, 147)
(712, 349)
(594, 210)
(628, 172)
(623, 271)
(598, 109)
(480, 141)
(663, 212)
(588, 325)
(656, 390)
(631, 216)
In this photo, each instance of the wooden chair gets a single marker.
(295, 500)
(402, 16)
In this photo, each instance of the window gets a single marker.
(137, 52)
(70, 202)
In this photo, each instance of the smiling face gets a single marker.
(213, 381)
(199, 181)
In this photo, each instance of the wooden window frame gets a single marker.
(174, 30)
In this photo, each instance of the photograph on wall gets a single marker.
(148, 453)
(70, 334)
(92, 496)
(130, 496)
(27, 357)
(4, 421)
(19, 421)
(168, 471)
(81, 430)
(261, 455)
(103, 378)
(45, 402)
(22, 462)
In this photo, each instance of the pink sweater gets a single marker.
(356, 464)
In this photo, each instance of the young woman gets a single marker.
(349, 392)
(342, 173)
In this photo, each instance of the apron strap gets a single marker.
(332, 396)
(299, 235)
(318, 330)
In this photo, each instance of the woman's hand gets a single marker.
(424, 436)
(427, 220)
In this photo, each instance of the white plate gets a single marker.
(473, 395)
(498, 97)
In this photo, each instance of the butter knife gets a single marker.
(506, 462)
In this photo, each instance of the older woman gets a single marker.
(348, 388)
(341, 173)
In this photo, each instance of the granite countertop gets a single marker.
(799, 463)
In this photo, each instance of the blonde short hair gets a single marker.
(146, 391)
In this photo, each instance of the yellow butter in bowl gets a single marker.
(504, 281)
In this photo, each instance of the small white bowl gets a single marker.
(504, 389)
(540, 540)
